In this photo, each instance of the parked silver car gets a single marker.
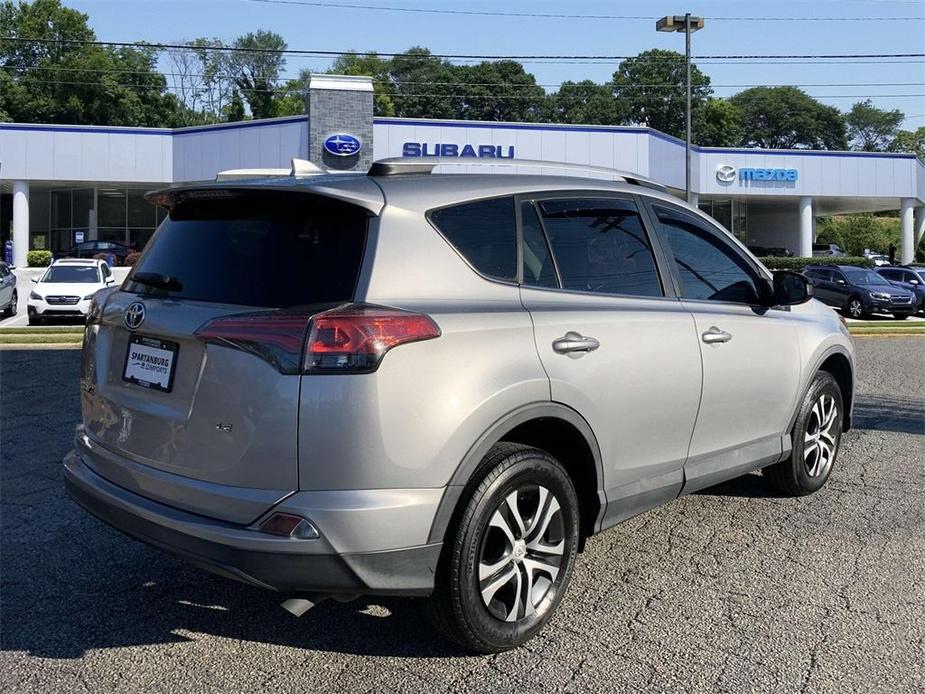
(432, 384)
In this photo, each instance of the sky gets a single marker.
(897, 85)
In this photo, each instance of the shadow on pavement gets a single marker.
(885, 413)
(71, 584)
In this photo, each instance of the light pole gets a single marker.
(688, 25)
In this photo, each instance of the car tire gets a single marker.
(900, 316)
(514, 536)
(855, 308)
(14, 305)
(35, 320)
(815, 438)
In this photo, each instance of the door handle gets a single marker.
(574, 344)
(714, 335)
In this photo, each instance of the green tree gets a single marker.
(584, 102)
(499, 91)
(425, 86)
(234, 110)
(256, 67)
(717, 123)
(788, 118)
(856, 233)
(63, 82)
(910, 141)
(872, 129)
(651, 87)
(371, 65)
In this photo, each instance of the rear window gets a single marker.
(484, 233)
(266, 250)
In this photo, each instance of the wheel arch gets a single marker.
(837, 361)
(553, 427)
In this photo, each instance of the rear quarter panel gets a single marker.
(411, 423)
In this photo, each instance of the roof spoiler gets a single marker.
(299, 167)
(399, 166)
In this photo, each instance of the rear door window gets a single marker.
(484, 233)
(600, 246)
(269, 250)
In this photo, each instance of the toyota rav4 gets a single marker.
(423, 384)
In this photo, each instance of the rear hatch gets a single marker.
(192, 367)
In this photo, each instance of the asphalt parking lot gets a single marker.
(730, 590)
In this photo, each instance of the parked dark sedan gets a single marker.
(858, 291)
(88, 249)
(912, 279)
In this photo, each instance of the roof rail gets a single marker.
(299, 167)
(397, 166)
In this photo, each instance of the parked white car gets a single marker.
(880, 260)
(66, 288)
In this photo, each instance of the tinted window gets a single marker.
(601, 246)
(819, 274)
(707, 265)
(864, 277)
(266, 250)
(539, 269)
(78, 274)
(484, 233)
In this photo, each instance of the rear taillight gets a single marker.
(275, 337)
(353, 339)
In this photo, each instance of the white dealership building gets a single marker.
(61, 183)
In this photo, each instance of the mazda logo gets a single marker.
(134, 315)
(725, 173)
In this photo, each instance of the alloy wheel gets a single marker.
(521, 553)
(855, 308)
(821, 437)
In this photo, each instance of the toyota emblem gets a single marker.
(134, 315)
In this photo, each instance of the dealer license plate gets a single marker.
(150, 362)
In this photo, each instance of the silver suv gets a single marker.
(441, 385)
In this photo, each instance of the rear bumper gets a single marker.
(275, 563)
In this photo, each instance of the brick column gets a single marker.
(340, 104)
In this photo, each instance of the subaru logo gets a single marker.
(134, 315)
(725, 173)
(342, 145)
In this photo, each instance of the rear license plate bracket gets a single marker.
(150, 362)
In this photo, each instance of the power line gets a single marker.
(551, 15)
(459, 56)
(458, 94)
(227, 76)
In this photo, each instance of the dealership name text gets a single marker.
(424, 149)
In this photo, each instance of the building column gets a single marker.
(20, 229)
(907, 247)
(806, 227)
(918, 219)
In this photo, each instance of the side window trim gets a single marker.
(669, 290)
(520, 201)
(752, 269)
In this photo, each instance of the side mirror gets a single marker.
(791, 288)
(914, 282)
(841, 282)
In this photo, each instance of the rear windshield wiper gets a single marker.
(159, 281)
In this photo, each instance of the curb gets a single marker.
(21, 346)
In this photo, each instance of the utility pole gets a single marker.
(688, 25)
